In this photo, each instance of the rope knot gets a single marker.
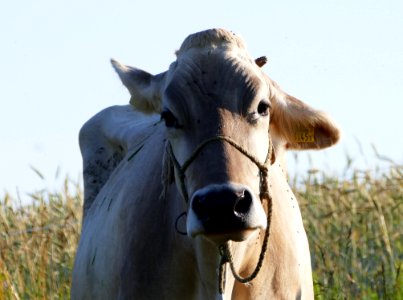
(225, 253)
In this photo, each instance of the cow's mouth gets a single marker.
(235, 235)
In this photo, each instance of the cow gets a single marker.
(185, 192)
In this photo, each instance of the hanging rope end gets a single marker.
(222, 272)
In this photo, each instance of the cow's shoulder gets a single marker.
(105, 139)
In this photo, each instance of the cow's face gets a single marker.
(215, 89)
(219, 93)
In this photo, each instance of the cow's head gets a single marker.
(215, 88)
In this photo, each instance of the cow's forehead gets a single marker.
(214, 63)
(218, 79)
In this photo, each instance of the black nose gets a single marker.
(223, 209)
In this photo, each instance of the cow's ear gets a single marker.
(298, 125)
(144, 88)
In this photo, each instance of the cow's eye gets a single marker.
(263, 108)
(170, 120)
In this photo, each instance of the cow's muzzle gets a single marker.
(225, 212)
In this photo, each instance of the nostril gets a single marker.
(243, 203)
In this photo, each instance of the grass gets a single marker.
(355, 231)
(37, 244)
(354, 228)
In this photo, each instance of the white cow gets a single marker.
(185, 192)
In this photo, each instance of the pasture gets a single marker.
(354, 226)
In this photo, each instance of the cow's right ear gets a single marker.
(144, 88)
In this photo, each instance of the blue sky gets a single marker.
(344, 57)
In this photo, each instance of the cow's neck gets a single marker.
(208, 261)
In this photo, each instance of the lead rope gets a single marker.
(226, 257)
(224, 250)
(264, 194)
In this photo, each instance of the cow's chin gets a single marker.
(223, 237)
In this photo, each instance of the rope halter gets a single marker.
(264, 194)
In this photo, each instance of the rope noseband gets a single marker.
(264, 194)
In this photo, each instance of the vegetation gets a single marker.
(355, 231)
(38, 243)
(354, 228)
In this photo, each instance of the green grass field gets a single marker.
(354, 227)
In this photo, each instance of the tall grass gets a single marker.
(354, 227)
(355, 230)
(37, 244)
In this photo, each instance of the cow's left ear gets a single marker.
(298, 125)
(144, 88)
